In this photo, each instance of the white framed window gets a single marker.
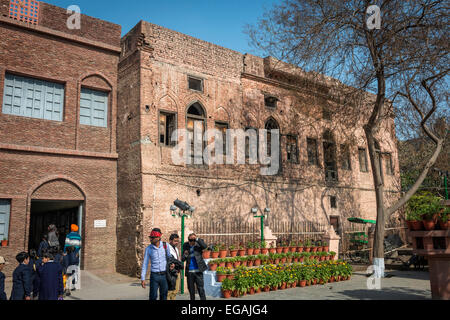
(94, 108)
(33, 98)
(5, 211)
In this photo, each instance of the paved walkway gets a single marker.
(403, 285)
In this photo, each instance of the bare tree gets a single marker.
(404, 63)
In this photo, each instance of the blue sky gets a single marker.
(218, 21)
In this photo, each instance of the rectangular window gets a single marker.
(345, 157)
(270, 102)
(5, 208)
(195, 84)
(291, 148)
(167, 125)
(333, 203)
(312, 151)
(363, 165)
(94, 108)
(196, 129)
(389, 164)
(222, 127)
(33, 98)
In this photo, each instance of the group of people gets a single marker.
(166, 264)
(40, 274)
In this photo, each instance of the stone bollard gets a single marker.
(332, 239)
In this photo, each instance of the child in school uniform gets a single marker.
(22, 286)
(51, 279)
(2, 279)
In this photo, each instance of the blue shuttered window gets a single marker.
(5, 206)
(94, 108)
(28, 97)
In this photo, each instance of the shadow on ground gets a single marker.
(394, 293)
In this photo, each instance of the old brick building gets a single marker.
(169, 80)
(58, 158)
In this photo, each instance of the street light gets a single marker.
(184, 211)
(445, 174)
(254, 211)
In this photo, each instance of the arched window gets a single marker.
(271, 124)
(196, 123)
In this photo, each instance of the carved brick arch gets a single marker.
(222, 114)
(193, 98)
(96, 80)
(168, 102)
(67, 188)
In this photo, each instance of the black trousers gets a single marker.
(196, 279)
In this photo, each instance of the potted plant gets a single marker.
(242, 250)
(215, 252)
(308, 245)
(272, 249)
(325, 246)
(443, 219)
(233, 250)
(430, 218)
(285, 247)
(300, 246)
(423, 206)
(319, 246)
(221, 273)
(206, 254)
(257, 249)
(222, 251)
(264, 250)
(293, 246)
(227, 288)
(250, 248)
(212, 265)
(4, 242)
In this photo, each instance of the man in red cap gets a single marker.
(157, 252)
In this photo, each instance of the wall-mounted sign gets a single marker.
(99, 223)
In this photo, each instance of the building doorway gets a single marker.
(60, 213)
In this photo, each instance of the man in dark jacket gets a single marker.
(22, 285)
(195, 266)
(51, 276)
(2, 279)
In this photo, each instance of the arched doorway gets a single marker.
(59, 202)
(196, 126)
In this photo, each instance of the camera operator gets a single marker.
(195, 266)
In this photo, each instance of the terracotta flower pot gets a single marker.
(233, 253)
(308, 283)
(250, 263)
(242, 252)
(326, 249)
(293, 249)
(206, 254)
(283, 260)
(257, 262)
(303, 283)
(315, 281)
(322, 258)
(220, 277)
(226, 294)
(244, 263)
(307, 249)
(319, 249)
(235, 293)
(258, 290)
(272, 250)
(279, 249)
(250, 251)
(295, 260)
(429, 225)
(256, 251)
(236, 264)
(223, 253)
(251, 291)
(4, 243)
(283, 286)
(264, 250)
(230, 276)
(214, 254)
(266, 289)
(294, 284)
(415, 225)
(274, 288)
(285, 249)
(332, 279)
(301, 259)
(299, 249)
(314, 249)
(213, 267)
(444, 225)
(276, 261)
(288, 285)
(229, 265)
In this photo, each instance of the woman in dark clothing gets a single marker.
(51, 276)
(34, 264)
(43, 245)
(22, 285)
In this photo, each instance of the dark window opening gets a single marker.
(363, 165)
(329, 154)
(312, 151)
(270, 102)
(292, 148)
(167, 125)
(389, 164)
(333, 203)
(195, 84)
(345, 157)
(222, 127)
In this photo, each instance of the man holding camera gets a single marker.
(195, 266)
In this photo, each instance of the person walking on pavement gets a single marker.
(51, 279)
(22, 286)
(174, 240)
(195, 266)
(157, 253)
(73, 239)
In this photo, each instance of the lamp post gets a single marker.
(262, 216)
(184, 211)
